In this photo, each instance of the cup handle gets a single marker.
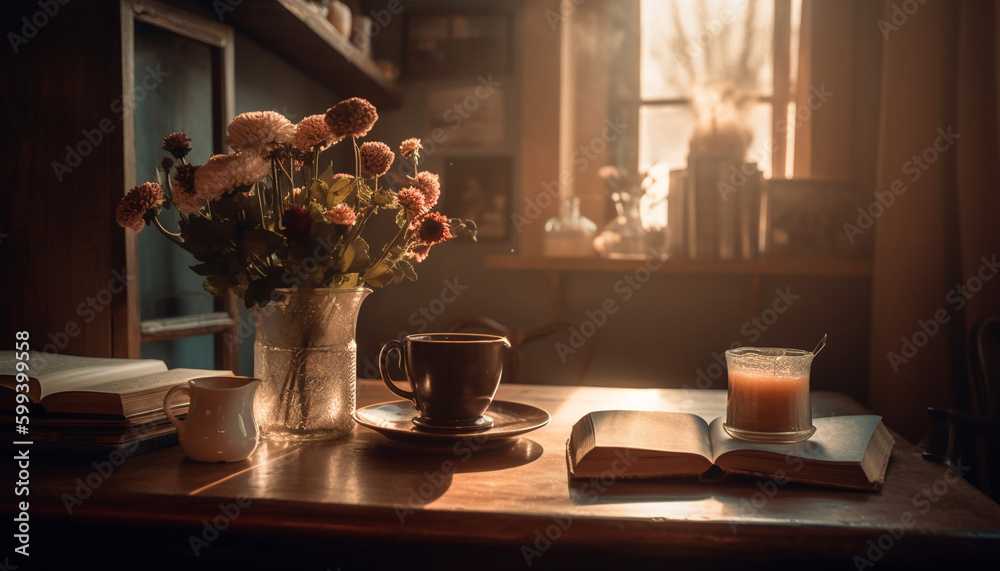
(170, 413)
(383, 368)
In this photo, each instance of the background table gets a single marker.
(362, 502)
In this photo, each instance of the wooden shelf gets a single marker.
(186, 326)
(296, 32)
(828, 267)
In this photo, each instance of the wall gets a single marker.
(664, 333)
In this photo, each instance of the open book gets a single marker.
(845, 451)
(96, 386)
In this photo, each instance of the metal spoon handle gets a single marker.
(820, 345)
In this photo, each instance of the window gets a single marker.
(713, 62)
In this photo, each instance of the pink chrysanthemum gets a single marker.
(352, 117)
(223, 173)
(434, 228)
(312, 133)
(410, 147)
(376, 158)
(297, 223)
(412, 200)
(428, 184)
(259, 131)
(136, 203)
(177, 144)
(341, 214)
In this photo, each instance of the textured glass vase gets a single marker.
(306, 357)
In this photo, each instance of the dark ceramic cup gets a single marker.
(453, 376)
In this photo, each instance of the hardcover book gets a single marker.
(846, 451)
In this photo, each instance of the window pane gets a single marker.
(686, 44)
(664, 133)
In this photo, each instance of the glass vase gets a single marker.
(305, 355)
(571, 234)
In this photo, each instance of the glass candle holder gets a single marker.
(769, 395)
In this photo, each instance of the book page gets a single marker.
(840, 439)
(57, 373)
(146, 382)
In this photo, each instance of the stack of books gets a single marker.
(90, 406)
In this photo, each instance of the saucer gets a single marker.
(394, 420)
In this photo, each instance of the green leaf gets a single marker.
(318, 191)
(258, 291)
(364, 191)
(211, 268)
(216, 285)
(463, 228)
(408, 270)
(361, 257)
(327, 175)
(401, 217)
(346, 258)
(260, 243)
(340, 190)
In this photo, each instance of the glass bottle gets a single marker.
(570, 234)
(624, 236)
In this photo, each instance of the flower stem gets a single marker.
(175, 238)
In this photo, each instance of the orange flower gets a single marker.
(136, 203)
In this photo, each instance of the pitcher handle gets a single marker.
(383, 368)
(178, 423)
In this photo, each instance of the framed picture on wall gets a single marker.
(479, 189)
(457, 44)
(468, 116)
(807, 216)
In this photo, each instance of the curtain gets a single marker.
(937, 205)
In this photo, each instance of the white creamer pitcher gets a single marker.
(220, 426)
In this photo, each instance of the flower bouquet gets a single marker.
(266, 223)
(265, 218)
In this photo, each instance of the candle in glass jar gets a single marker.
(764, 402)
(769, 394)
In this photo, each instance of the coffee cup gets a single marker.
(220, 425)
(452, 377)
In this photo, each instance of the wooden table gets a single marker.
(361, 502)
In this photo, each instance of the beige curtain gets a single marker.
(939, 142)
